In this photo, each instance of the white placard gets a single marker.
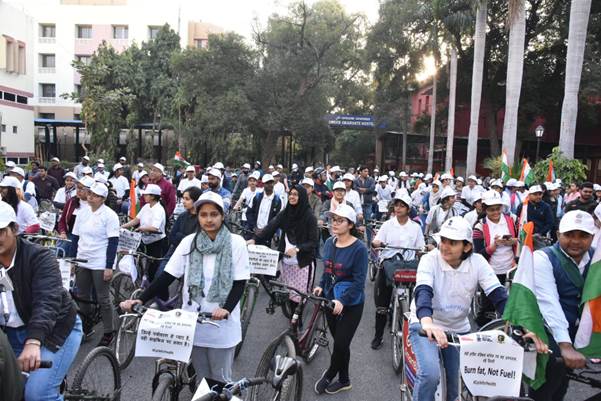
(491, 364)
(166, 334)
(47, 221)
(127, 265)
(383, 206)
(129, 240)
(65, 268)
(263, 260)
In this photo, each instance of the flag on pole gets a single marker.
(452, 172)
(522, 221)
(134, 206)
(525, 176)
(505, 172)
(178, 157)
(588, 336)
(522, 307)
(551, 172)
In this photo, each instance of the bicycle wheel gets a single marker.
(397, 337)
(292, 387)
(247, 307)
(125, 344)
(98, 377)
(372, 269)
(165, 390)
(316, 336)
(122, 287)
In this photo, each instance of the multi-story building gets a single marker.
(16, 84)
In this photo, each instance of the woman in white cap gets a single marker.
(495, 238)
(151, 221)
(26, 217)
(473, 215)
(338, 198)
(214, 265)
(67, 191)
(142, 182)
(433, 196)
(95, 239)
(343, 282)
(120, 184)
(441, 212)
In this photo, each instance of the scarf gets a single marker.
(222, 274)
(294, 216)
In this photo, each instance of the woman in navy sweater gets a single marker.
(343, 281)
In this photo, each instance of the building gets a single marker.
(16, 84)
(198, 33)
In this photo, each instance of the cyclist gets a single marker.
(263, 208)
(441, 212)
(399, 231)
(67, 220)
(138, 173)
(366, 186)
(100, 171)
(384, 194)
(66, 192)
(56, 171)
(27, 187)
(247, 195)
(78, 170)
(45, 185)
(42, 322)
(27, 220)
(339, 191)
(189, 181)
(585, 202)
(279, 188)
(314, 201)
(95, 239)
(474, 215)
(242, 182)
(215, 267)
(214, 176)
(343, 281)
(168, 192)
(539, 211)
(187, 222)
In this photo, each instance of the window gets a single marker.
(21, 99)
(48, 90)
(85, 59)
(120, 31)
(47, 60)
(77, 90)
(201, 43)
(14, 129)
(77, 116)
(10, 96)
(153, 31)
(3, 128)
(84, 31)
(47, 30)
(22, 60)
(47, 116)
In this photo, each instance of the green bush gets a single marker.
(569, 170)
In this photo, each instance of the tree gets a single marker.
(451, 118)
(579, 17)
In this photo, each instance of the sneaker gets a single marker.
(337, 387)
(377, 342)
(106, 339)
(322, 383)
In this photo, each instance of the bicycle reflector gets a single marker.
(405, 276)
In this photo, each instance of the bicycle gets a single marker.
(295, 341)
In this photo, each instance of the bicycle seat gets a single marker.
(404, 276)
(284, 367)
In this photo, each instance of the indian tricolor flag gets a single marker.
(522, 222)
(134, 205)
(551, 172)
(525, 176)
(588, 336)
(522, 307)
(505, 171)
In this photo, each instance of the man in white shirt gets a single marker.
(265, 206)
(27, 187)
(383, 196)
(470, 192)
(188, 181)
(404, 181)
(101, 171)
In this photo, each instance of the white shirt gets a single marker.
(384, 193)
(264, 208)
(471, 217)
(248, 196)
(469, 194)
(280, 190)
(408, 235)
(548, 296)
(94, 230)
(502, 258)
(229, 332)
(453, 288)
(185, 183)
(14, 320)
(120, 184)
(153, 216)
(354, 198)
(26, 216)
(61, 194)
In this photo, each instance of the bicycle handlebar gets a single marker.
(327, 303)
(401, 248)
(139, 254)
(516, 333)
(47, 237)
(139, 310)
(233, 389)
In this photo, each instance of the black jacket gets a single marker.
(252, 213)
(542, 216)
(42, 303)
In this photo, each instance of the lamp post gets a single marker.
(539, 131)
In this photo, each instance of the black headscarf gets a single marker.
(294, 216)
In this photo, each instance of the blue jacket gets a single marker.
(540, 213)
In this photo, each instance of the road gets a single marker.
(371, 371)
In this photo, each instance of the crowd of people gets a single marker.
(468, 226)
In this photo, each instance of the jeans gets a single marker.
(67, 247)
(44, 384)
(86, 280)
(428, 367)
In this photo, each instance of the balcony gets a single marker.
(46, 100)
(49, 40)
(47, 70)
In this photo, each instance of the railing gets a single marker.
(47, 70)
(47, 99)
(44, 39)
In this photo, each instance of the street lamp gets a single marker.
(539, 131)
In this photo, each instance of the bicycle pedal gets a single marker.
(270, 310)
(322, 340)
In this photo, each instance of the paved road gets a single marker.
(371, 371)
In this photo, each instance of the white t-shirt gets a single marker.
(248, 196)
(153, 216)
(229, 332)
(94, 230)
(408, 235)
(453, 288)
(280, 190)
(439, 214)
(61, 194)
(384, 193)
(26, 216)
(471, 217)
(185, 183)
(120, 185)
(469, 194)
(353, 198)
(14, 319)
(502, 258)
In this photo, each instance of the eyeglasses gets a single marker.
(338, 220)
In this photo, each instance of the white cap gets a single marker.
(460, 179)
(234, 174)
(496, 183)
(87, 170)
(308, 181)
(596, 187)
(267, 178)
(256, 175)
(55, 159)
(436, 182)
(511, 182)
(191, 169)
(448, 191)
(420, 175)
(117, 166)
(383, 178)
(10, 182)
(270, 167)
(491, 198)
(141, 165)
(519, 184)
(446, 176)
(7, 215)
(415, 175)
(204, 179)
(403, 197)
(10, 164)
(219, 165)
(479, 181)
(345, 211)
(99, 161)
(335, 169)
(18, 170)
(215, 172)
(473, 178)
(99, 177)
(477, 197)
(391, 173)
(558, 180)
(348, 176)
(70, 174)
(152, 189)
(339, 185)
(403, 174)
(87, 182)
(142, 174)
(275, 173)
(86, 158)
(456, 228)
(101, 165)
(598, 211)
(577, 220)
(294, 166)
(210, 197)
(100, 189)
(122, 158)
(534, 189)
(309, 169)
(551, 186)
(159, 167)
(376, 170)
(428, 176)
(246, 166)
(279, 166)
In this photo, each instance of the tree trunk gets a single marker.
(477, 75)
(491, 126)
(515, 70)
(451, 120)
(268, 147)
(432, 122)
(579, 16)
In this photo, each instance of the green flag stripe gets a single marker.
(592, 285)
(593, 350)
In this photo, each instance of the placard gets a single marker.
(491, 364)
(263, 260)
(129, 241)
(166, 334)
(65, 268)
(203, 389)
(383, 206)
(47, 221)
